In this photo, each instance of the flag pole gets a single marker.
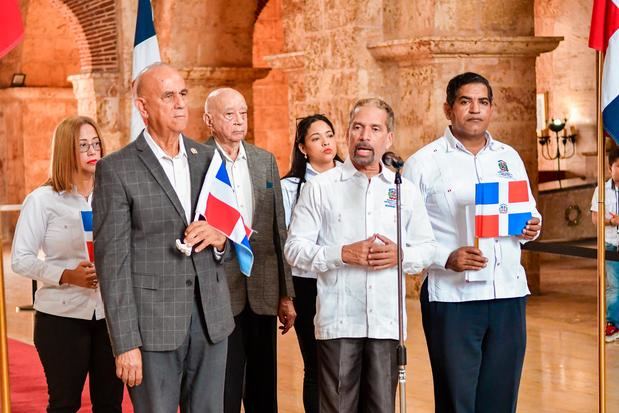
(4, 352)
(601, 248)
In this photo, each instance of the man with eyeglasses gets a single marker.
(168, 315)
(264, 295)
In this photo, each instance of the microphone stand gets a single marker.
(401, 345)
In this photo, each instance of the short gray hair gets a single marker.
(377, 103)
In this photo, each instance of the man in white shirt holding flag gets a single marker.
(473, 299)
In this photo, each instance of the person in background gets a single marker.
(70, 334)
(260, 299)
(611, 222)
(314, 152)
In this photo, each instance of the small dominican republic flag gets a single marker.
(501, 208)
(87, 226)
(145, 52)
(217, 203)
(604, 37)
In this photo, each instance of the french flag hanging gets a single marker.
(145, 52)
(501, 208)
(217, 204)
(604, 37)
(87, 227)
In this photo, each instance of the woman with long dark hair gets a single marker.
(314, 152)
(70, 334)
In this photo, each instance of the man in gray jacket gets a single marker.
(168, 315)
(267, 292)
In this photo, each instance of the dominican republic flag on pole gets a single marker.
(145, 52)
(502, 209)
(11, 26)
(604, 37)
(217, 203)
(87, 227)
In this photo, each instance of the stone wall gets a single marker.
(270, 109)
(567, 75)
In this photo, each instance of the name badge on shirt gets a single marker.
(391, 198)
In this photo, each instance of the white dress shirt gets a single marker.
(290, 186)
(176, 169)
(238, 171)
(51, 222)
(446, 174)
(340, 207)
(611, 204)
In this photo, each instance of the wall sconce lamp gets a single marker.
(564, 146)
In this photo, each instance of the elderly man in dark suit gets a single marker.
(267, 292)
(168, 315)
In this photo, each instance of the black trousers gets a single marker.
(305, 306)
(69, 349)
(476, 351)
(251, 365)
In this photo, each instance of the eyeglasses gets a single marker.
(84, 147)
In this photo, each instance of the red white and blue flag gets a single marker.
(87, 227)
(11, 26)
(145, 53)
(604, 37)
(217, 204)
(502, 208)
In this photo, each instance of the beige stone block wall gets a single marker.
(568, 76)
(270, 95)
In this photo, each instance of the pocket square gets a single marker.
(269, 185)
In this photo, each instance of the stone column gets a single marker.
(292, 65)
(28, 117)
(98, 97)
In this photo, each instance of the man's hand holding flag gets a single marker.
(218, 207)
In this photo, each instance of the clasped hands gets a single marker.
(376, 252)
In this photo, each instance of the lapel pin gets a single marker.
(193, 150)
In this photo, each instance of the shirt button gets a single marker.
(371, 311)
(498, 263)
(188, 283)
(369, 212)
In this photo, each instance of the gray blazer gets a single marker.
(271, 277)
(146, 284)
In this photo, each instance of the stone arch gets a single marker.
(94, 26)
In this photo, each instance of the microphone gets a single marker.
(393, 160)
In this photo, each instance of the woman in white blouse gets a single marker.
(314, 152)
(70, 334)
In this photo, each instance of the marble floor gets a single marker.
(560, 373)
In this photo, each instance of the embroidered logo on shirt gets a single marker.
(391, 198)
(504, 170)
